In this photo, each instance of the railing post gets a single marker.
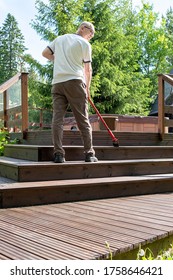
(24, 99)
(161, 113)
(5, 108)
(41, 118)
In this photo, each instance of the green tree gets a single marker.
(53, 19)
(116, 82)
(129, 49)
(40, 77)
(57, 17)
(153, 44)
(169, 34)
(11, 48)
(121, 88)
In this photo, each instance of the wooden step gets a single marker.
(46, 192)
(100, 138)
(45, 153)
(27, 171)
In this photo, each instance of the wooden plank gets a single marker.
(69, 227)
(9, 83)
(45, 153)
(168, 122)
(41, 229)
(168, 79)
(24, 98)
(161, 115)
(79, 230)
(44, 192)
(140, 202)
(30, 242)
(168, 109)
(79, 239)
(27, 171)
(16, 253)
(54, 243)
(100, 138)
(162, 225)
(3, 257)
(130, 206)
(62, 220)
(116, 211)
(131, 231)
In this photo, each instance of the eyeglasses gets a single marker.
(91, 31)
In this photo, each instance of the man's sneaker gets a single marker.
(90, 158)
(59, 158)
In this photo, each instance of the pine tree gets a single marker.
(169, 34)
(11, 48)
(117, 82)
(129, 49)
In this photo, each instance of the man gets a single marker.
(71, 54)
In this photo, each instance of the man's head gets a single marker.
(86, 30)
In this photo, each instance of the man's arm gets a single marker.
(47, 53)
(88, 76)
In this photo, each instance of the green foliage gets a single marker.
(130, 47)
(39, 85)
(118, 84)
(4, 136)
(121, 87)
(169, 34)
(5, 139)
(147, 254)
(11, 48)
(57, 17)
(109, 249)
(39, 93)
(153, 45)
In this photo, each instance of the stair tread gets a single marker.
(95, 146)
(23, 162)
(83, 182)
(42, 153)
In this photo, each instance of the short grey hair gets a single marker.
(88, 24)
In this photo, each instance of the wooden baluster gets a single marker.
(161, 115)
(24, 92)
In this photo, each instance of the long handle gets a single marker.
(103, 121)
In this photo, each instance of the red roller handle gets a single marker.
(115, 140)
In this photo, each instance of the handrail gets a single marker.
(24, 100)
(162, 107)
(167, 78)
(9, 83)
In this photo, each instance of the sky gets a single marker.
(24, 12)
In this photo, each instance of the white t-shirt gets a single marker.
(71, 51)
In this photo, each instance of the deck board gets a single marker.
(78, 230)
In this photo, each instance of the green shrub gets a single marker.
(5, 139)
(147, 254)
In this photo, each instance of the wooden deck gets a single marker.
(68, 213)
(78, 230)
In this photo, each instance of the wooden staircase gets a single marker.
(120, 171)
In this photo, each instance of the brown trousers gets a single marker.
(71, 92)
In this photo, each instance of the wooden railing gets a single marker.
(165, 109)
(14, 103)
(39, 118)
(14, 112)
